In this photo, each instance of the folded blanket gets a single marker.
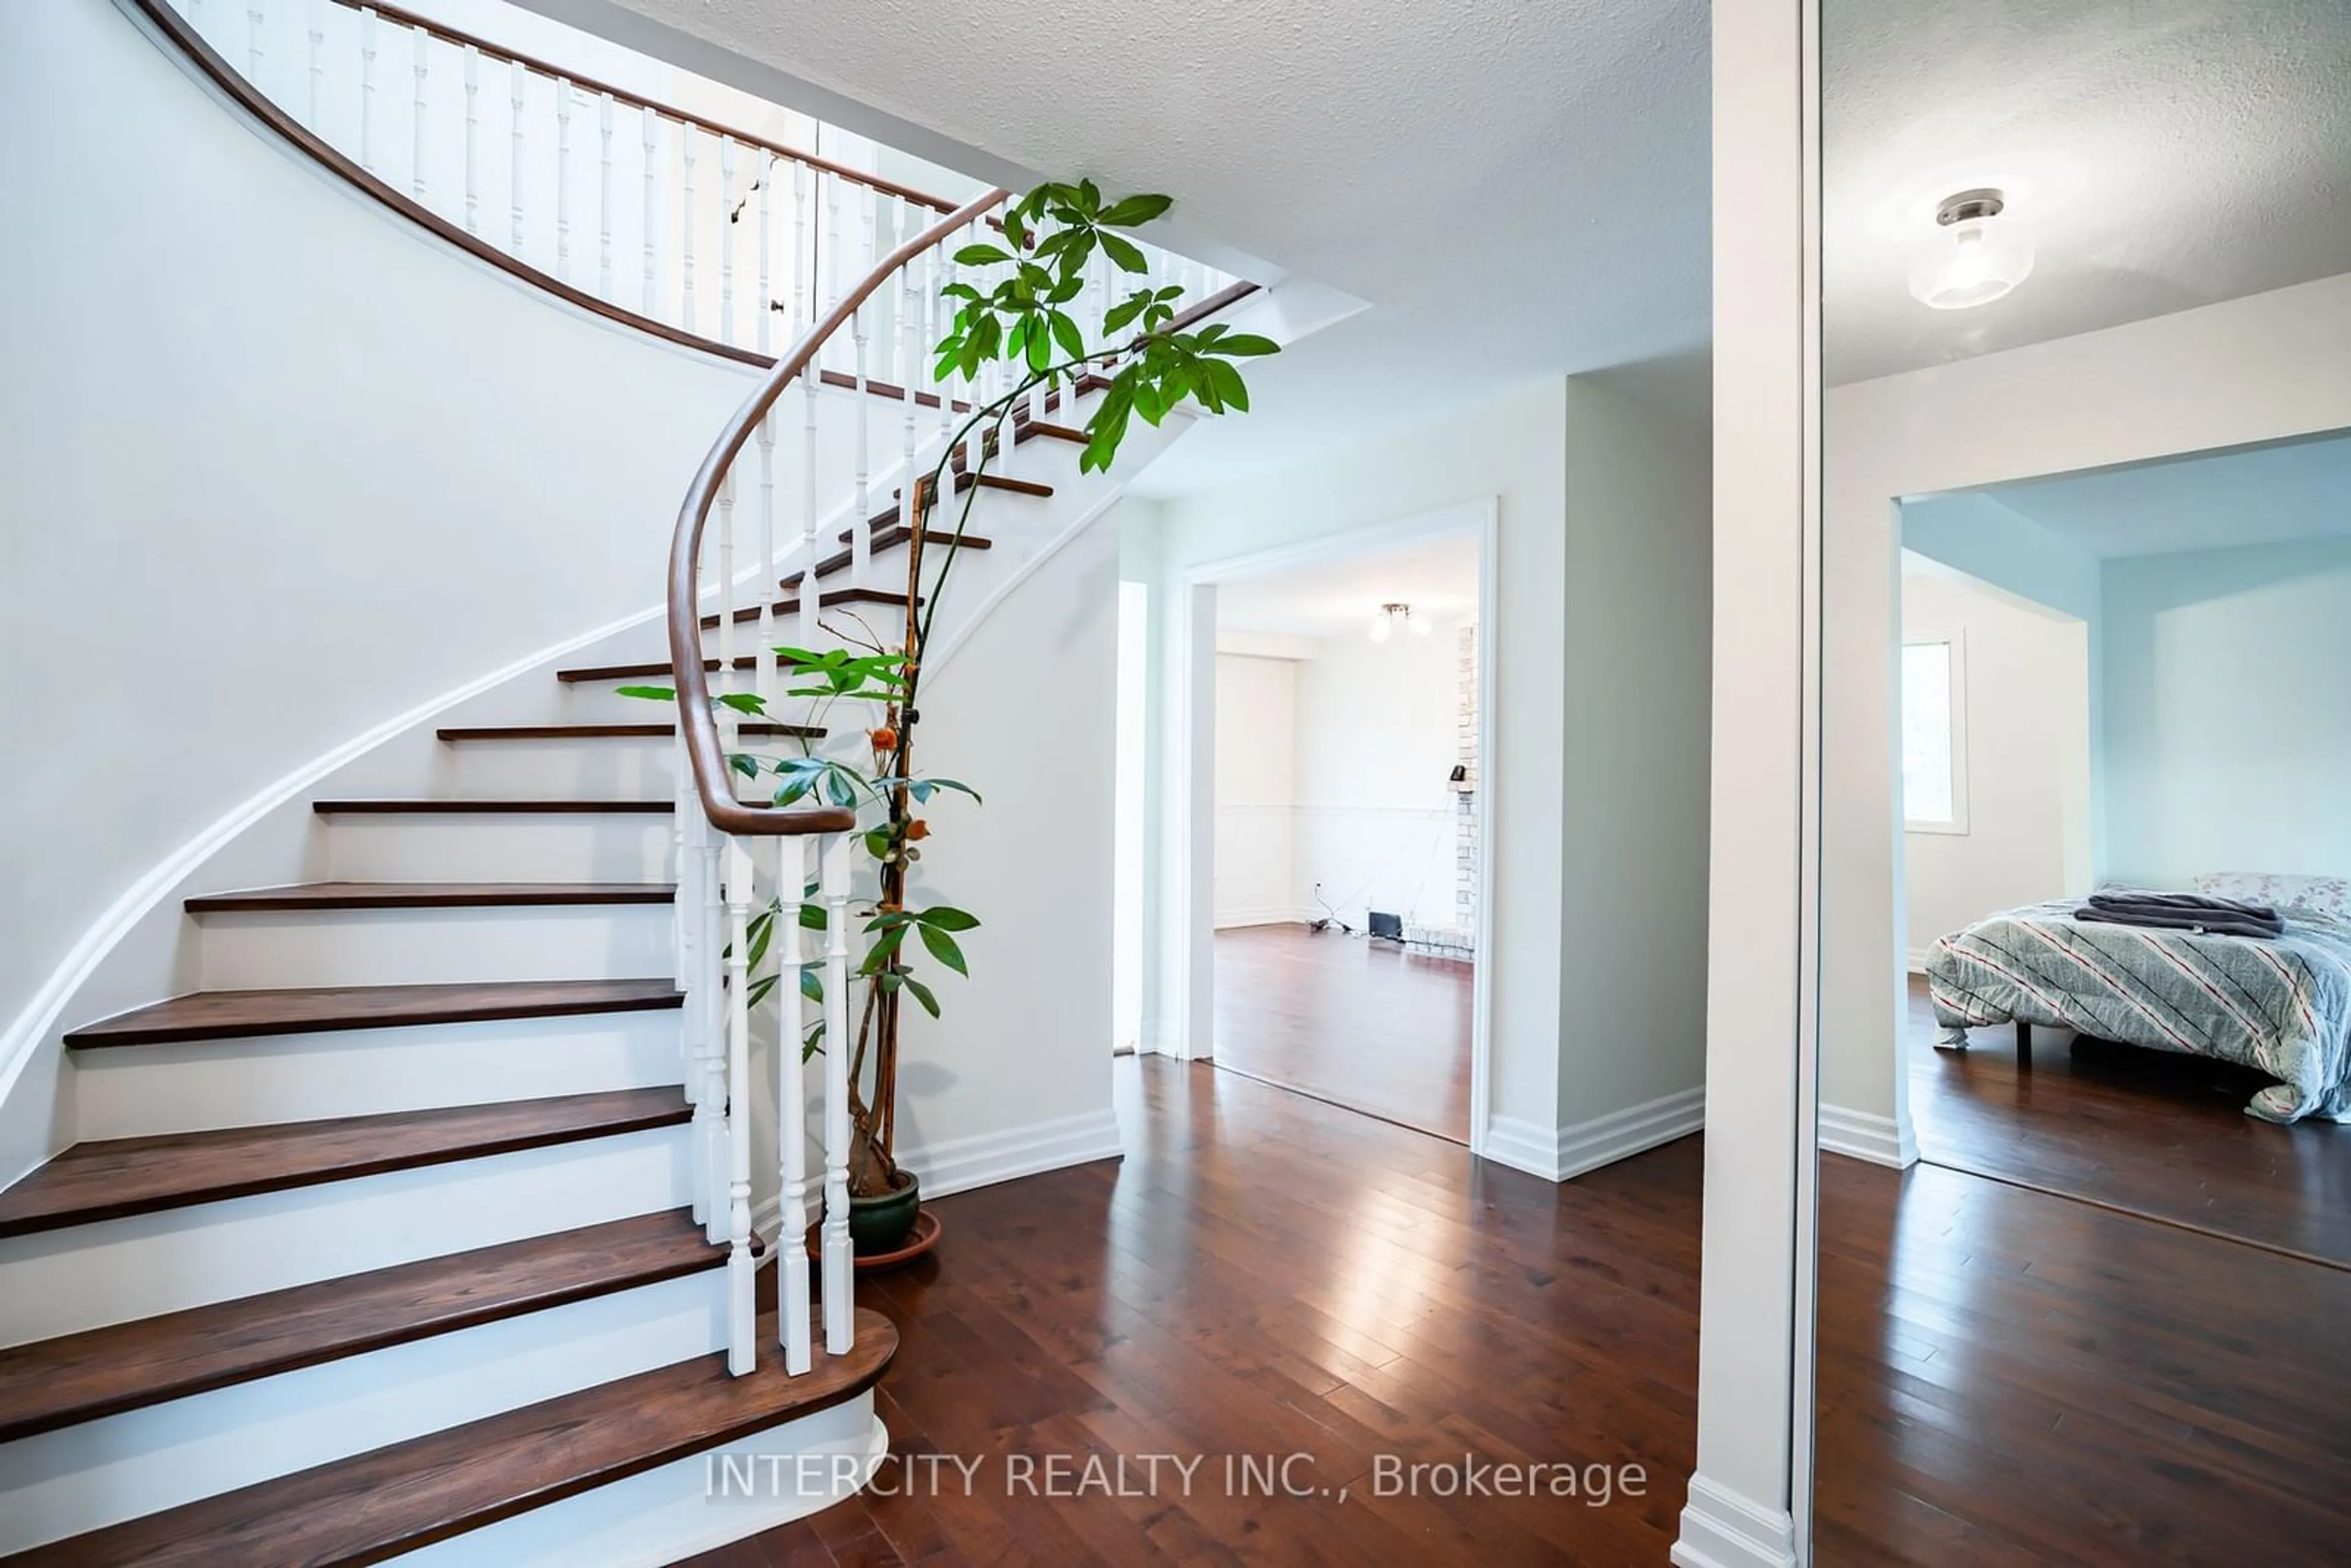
(2183, 911)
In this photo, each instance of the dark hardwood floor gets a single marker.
(2145, 1131)
(2007, 1378)
(1360, 1024)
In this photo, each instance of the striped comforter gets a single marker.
(2283, 1006)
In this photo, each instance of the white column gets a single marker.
(765, 306)
(686, 128)
(860, 538)
(803, 259)
(685, 919)
(839, 1301)
(709, 989)
(791, 1110)
(770, 565)
(742, 1309)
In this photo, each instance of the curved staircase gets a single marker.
(421, 1225)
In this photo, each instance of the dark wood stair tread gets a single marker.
(888, 538)
(437, 808)
(760, 726)
(125, 1366)
(379, 1504)
(430, 895)
(226, 1015)
(118, 1177)
(826, 600)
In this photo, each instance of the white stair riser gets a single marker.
(101, 1472)
(603, 768)
(670, 1513)
(419, 947)
(87, 1276)
(499, 846)
(140, 1090)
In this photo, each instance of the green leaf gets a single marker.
(812, 917)
(1041, 349)
(651, 694)
(743, 702)
(921, 994)
(946, 917)
(1132, 212)
(980, 256)
(1228, 383)
(1123, 252)
(1242, 345)
(1066, 334)
(812, 981)
(747, 766)
(943, 948)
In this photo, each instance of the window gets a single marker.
(1934, 738)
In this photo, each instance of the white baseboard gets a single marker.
(959, 1165)
(1568, 1152)
(1226, 919)
(1720, 1528)
(1865, 1136)
(1918, 957)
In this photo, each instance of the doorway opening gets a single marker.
(1339, 819)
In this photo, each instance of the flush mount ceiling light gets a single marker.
(1975, 256)
(1390, 617)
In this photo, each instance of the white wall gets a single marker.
(274, 470)
(1257, 790)
(1637, 728)
(2252, 369)
(2027, 726)
(1376, 745)
(2229, 722)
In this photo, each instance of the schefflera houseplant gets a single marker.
(1019, 313)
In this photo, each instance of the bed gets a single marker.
(2282, 1006)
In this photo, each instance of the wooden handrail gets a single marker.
(712, 781)
(442, 30)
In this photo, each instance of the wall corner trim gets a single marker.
(1865, 1136)
(1565, 1153)
(1720, 1528)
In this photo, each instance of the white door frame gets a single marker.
(1187, 950)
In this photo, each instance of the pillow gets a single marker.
(2315, 894)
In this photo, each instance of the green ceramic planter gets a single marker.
(880, 1225)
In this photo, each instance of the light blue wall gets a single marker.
(1978, 535)
(2229, 711)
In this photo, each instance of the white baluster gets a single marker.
(252, 44)
(726, 239)
(742, 1309)
(604, 199)
(829, 286)
(766, 299)
(807, 590)
(729, 721)
(804, 262)
(685, 130)
(944, 271)
(861, 537)
(651, 215)
(839, 1303)
(771, 566)
(515, 82)
(562, 179)
(791, 1110)
(417, 117)
(367, 88)
(709, 1111)
(685, 914)
(910, 350)
(318, 40)
(473, 140)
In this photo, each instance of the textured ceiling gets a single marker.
(2267, 495)
(1517, 188)
(2167, 153)
(1338, 597)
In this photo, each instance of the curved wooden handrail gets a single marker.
(704, 751)
(182, 34)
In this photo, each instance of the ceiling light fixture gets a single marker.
(1390, 617)
(1974, 258)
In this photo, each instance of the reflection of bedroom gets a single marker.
(2113, 682)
